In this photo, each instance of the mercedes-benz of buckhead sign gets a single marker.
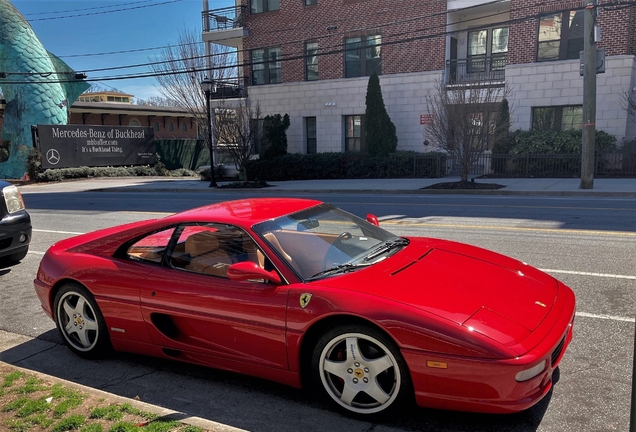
(66, 146)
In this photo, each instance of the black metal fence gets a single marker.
(476, 69)
(527, 165)
(228, 88)
(224, 18)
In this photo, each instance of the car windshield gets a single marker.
(324, 240)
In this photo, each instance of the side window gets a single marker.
(212, 248)
(152, 247)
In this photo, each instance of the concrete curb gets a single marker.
(181, 417)
(581, 193)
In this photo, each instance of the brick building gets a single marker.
(312, 58)
(169, 123)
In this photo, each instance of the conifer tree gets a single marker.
(381, 137)
(274, 138)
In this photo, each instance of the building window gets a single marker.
(310, 128)
(487, 50)
(310, 2)
(156, 126)
(184, 127)
(266, 66)
(558, 118)
(560, 36)
(362, 56)
(354, 134)
(134, 122)
(311, 61)
(258, 6)
(170, 127)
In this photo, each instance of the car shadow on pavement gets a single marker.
(248, 403)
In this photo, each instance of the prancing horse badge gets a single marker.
(305, 298)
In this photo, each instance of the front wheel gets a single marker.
(80, 322)
(361, 370)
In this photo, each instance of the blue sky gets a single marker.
(76, 30)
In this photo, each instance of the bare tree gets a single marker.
(98, 88)
(156, 101)
(237, 130)
(464, 119)
(183, 67)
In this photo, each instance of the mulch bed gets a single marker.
(464, 185)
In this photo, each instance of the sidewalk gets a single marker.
(516, 186)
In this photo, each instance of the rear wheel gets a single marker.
(80, 322)
(361, 370)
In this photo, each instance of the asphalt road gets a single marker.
(588, 243)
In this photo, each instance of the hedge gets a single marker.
(318, 166)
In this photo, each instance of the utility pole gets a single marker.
(589, 96)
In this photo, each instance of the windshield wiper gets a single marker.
(342, 268)
(387, 246)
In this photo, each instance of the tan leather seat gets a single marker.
(271, 238)
(206, 255)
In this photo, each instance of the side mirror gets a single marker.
(248, 270)
(372, 219)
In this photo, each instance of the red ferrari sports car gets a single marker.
(303, 293)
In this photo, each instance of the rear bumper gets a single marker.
(12, 228)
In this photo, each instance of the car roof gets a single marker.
(245, 212)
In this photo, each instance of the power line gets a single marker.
(337, 50)
(86, 9)
(106, 12)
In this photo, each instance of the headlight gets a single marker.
(530, 373)
(13, 199)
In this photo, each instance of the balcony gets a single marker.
(476, 70)
(225, 26)
(230, 88)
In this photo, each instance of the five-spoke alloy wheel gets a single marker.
(80, 322)
(361, 370)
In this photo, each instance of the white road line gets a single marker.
(58, 232)
(605, 317)
(589, 274)
(36, 252)
(389, 217)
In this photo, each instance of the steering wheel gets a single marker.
(334, 251)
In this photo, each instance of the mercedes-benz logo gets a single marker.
(53, 156)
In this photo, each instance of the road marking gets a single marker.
(502, 228)
(605, 317)
(36, 252)
(589, 274)
(387, 217)
(423, 204)
(147, 212)
(58, 232)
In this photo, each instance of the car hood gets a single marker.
(483, 291)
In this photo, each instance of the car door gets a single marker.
(190, 305)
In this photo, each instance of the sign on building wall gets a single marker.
(67, 146)
(426, 119)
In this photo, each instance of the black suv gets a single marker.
(15, 225)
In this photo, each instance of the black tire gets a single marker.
(361, 370)
(80, 322)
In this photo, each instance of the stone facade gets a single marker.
(416, 38)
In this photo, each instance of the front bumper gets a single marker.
(489, 386)
(12, 228)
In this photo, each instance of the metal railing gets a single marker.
(476, 69)
(224, 18)
(617, 164)
(230, 88)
